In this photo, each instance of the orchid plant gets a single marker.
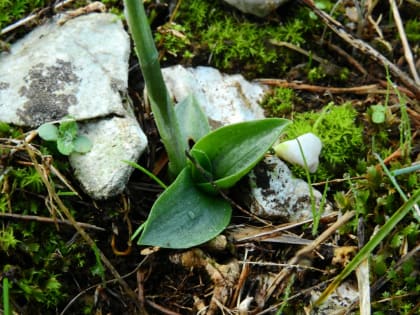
(192, 210)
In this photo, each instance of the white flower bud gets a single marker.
(311, 147)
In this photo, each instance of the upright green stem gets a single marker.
(6, 305)
(161, 103)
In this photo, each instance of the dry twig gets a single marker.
(339, 29)
(48, 220)
(406, 46)
(364, 89)
(286, 272)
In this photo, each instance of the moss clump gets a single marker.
(37, 257)
(171, 39)
(341, 137)
(412, 29)
(11, 11)
(229, 40)
(279, 102)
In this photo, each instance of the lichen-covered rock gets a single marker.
(275, 194)
(78, 69)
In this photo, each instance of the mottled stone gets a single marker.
(339, 301)
(275, 194)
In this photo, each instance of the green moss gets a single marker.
(412, 29)
(171, 39)
(12, 11)
(36, 255)
(341, 137)
(315, 74)
(279, 102)
(231, 40)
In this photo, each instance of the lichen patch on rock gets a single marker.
(45, 90)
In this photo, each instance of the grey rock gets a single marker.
(114, 140)
(225, 99)
(275, 194)
(259, 8)
(78, 69)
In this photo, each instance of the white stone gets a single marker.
(259, 8)
(78, 69)
(101, 170)
(275, 194)
(225, 99)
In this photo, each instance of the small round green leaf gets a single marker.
(68, 128)
(82, 144)
(65, 145)
(378, 113)
(48, 132)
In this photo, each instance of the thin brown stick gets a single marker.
(365, 48)
(286, 272)
(161, 308)
(402, 89)
(364, 89)
(140, 275)
(276, 230)
(48, 220)
(344, 55)
(406, 46)
(243, 276)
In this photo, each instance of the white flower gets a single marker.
(311, 147)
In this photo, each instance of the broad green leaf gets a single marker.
(235, 149)
(48, 132)
(184, 216)
(194, 122)
(82, 144)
